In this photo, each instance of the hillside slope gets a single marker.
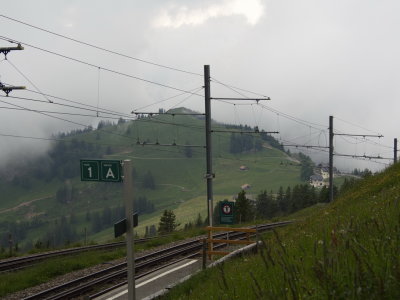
(44, 200)
(346, 250)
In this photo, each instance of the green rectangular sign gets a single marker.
(101, 170)
(226, 212)
(90, 170)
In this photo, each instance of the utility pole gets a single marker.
(209, 175)
(331, 154)
(129, 228)
(330, 158)
(395, 151)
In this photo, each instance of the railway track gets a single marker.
(143, 265)
(26, 261)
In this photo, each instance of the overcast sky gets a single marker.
(313, 58)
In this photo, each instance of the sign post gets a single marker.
(111, 171)
(129, 228)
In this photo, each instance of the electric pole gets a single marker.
(331, 154)
(330, 158)
(395, 151)
(130, 255)
(209, 175)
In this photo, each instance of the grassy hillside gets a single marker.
(178, 176)
(345, 250)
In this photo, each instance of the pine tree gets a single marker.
(286, 203)
(167, 222)
(244, 210)
(267, 207)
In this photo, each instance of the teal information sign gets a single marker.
(226, 212)
(101, 170)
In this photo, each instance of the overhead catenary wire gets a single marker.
(62, 113)
(101, 67)
(252, 107)
(235, 89)
(68, 139)
(164, 100)
(30, 81)
(355, 125)
(63, 119)
(80, 103)
(67, 105)
(100, 48)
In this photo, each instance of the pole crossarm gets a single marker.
(6, 50)
(362, 156)
(240, 99)
(166, 113)
(305, 146)
(8, 88)
(362, 135)
(167, 145)
(234, 131)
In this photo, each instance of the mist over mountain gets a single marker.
(314, 59)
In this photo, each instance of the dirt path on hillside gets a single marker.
(175, 185)
(27, 203)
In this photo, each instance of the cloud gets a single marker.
(178, 16)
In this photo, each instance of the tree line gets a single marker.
(268, 205)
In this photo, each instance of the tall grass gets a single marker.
(347, 250)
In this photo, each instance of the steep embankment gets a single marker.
(346, 250)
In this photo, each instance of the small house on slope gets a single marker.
(246, 186)
(317, 181)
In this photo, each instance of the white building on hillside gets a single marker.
(317, 181)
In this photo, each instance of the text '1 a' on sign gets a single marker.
(101, 170)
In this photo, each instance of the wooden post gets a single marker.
(204, 253)
(210, 244)
(10, 242)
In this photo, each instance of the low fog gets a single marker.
(313, 58)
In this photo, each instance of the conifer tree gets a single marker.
(244, 210)
(167, 222)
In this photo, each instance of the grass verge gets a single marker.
(346, 250)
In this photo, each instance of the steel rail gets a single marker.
(26, 261)
(85, 284)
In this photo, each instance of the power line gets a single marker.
(365, 140)
(62, 119)
(60, 113)
(104, 110)
(101, 48)
(362, 156)
(103, 68)
(304, 146)
(292, 118)
(195, 90)
(92, 143)
(233, 88)
(23, 75)
(67, 105)
(166, 113)
(355, 125)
